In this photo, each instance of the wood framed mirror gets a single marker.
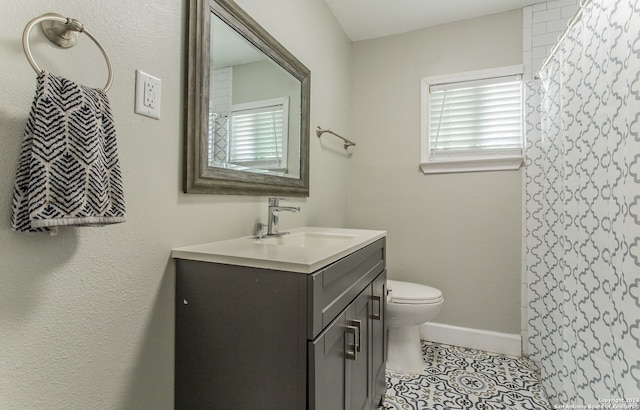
(247, 107)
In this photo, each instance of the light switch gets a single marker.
(148, 90)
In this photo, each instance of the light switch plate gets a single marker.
(148, 91)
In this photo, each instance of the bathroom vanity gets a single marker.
(291, 322)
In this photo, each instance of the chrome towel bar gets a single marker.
(347, 143)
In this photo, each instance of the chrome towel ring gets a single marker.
(63, 32)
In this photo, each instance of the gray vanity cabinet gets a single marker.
(347, 361)
(252, 338)
(338, 360)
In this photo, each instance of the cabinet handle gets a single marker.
(358, 324)
(378, 316)
(352, 355)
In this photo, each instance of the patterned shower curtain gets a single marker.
(582, 194)
(218, 143)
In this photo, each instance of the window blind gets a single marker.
(476, 118)
(257, 136)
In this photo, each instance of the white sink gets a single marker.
(306, 239)
(303, 250)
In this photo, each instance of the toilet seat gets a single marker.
(406, 293)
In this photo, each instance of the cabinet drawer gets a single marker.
(331, 289)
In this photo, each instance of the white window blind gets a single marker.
(259, 134)
(474, 118)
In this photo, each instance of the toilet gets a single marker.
(408, 305)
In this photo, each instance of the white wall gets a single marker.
(86, 317)
(460, 233)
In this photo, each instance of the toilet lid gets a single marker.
(413, 293)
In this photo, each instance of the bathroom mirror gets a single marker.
(247, 107)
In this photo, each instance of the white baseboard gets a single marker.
(504, 343)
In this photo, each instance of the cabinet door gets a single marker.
(327, 365)
(379, 336)
(358, 371)
(339, 360)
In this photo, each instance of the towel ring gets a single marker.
(63, 32)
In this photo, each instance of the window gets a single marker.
(472, 121)
(259, 134)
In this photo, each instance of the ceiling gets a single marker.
(366, 19)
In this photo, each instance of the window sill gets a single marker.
(471, 165)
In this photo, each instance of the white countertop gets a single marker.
(303, 250)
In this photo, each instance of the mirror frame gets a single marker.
(199, 177)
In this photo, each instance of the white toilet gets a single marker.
(408, 305)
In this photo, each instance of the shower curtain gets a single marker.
(218, 138)
(582, 190)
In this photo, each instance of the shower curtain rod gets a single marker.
(574, 20)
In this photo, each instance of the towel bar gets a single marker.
(347, 143)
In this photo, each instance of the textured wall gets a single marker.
(86, 317)
(460, 233)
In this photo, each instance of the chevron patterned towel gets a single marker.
(68, 170)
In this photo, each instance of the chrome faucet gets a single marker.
(274, 214)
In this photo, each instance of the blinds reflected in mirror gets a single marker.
(253, 134)
(256, 137)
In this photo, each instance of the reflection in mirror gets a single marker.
(248, 128)
(253, 104)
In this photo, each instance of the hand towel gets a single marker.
(68, 170)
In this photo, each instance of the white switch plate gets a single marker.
(148, 90)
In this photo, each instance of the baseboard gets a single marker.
(504, 343)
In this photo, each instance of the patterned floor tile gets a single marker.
(461, 378)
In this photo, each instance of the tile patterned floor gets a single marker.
(462, 378)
